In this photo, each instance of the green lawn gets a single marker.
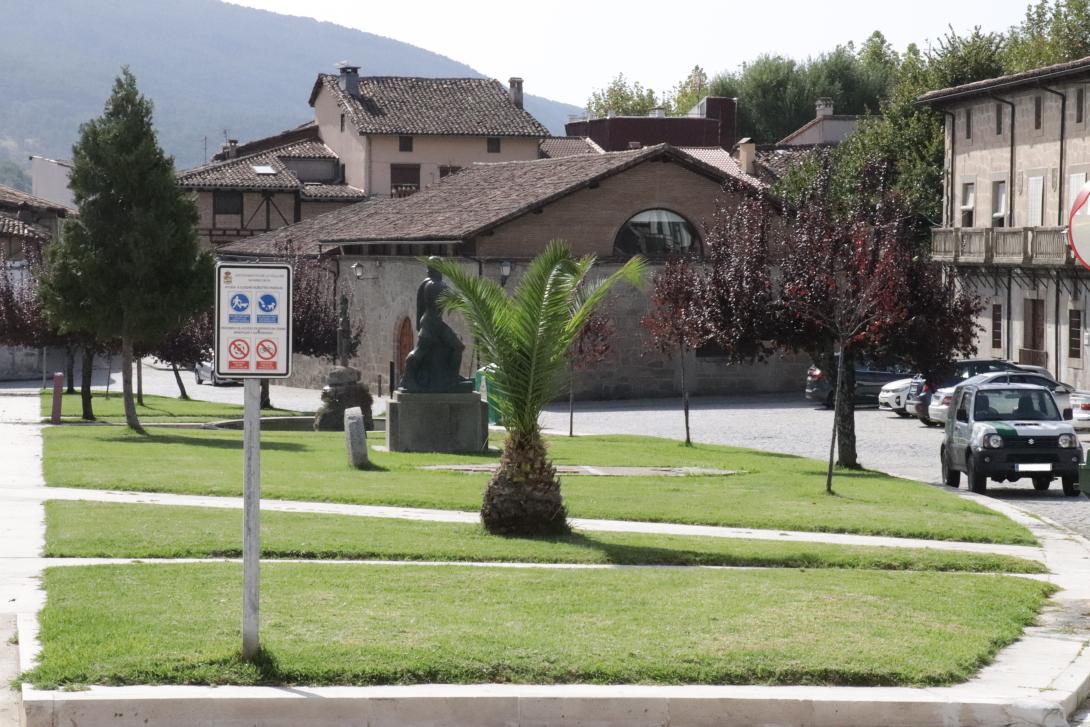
(373, 624)
(770, 490)
(156, 409)
(108, 530)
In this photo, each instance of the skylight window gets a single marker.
(263, 169)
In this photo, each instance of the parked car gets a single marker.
(203, 371)
(894, 396)
(1080, 407)
(869, 380)
(919, 393)
(1007, 432)
(940, 400)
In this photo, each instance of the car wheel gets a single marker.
(1071, 486)
(197, 376)
(1041, 483)
(949, 475)
(901, 413)
(830, 400)
(978, 483)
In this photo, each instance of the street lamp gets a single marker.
(357, 270)
(505, 272)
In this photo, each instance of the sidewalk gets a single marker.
(1037, 681)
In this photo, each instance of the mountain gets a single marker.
(208, 66)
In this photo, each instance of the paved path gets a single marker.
(789, 423)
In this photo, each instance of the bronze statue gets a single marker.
(433, 365)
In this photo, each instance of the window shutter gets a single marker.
(1035, 201)
(1074, 184)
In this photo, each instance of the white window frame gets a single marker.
(968, 201)
(999, 211)
(1035, 204)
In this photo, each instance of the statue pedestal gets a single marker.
(344, 391)
(436, 422)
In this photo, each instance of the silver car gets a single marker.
(939, 407)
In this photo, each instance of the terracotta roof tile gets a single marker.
(243, 172)
(465, 204)
(555, 147)
(12, 226)
(13, 198)
(409, 105)
(720, 158)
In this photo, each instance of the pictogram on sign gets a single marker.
(238, 348)
(266, 349)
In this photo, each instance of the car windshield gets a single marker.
(1026, 404)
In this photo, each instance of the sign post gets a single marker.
(253, 342)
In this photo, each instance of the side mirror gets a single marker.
(1068, 415)
(963, 416)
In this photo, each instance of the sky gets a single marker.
(564, 51)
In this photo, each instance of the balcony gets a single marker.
(1033, 246)
(403, 190)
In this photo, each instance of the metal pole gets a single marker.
(251, 518)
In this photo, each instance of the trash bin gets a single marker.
(481, 379)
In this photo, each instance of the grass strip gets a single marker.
(372, 624)
(156, 409)
(769, 491)
(110, 530)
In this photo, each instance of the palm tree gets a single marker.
(527, 337)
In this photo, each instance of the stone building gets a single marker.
(495, 218)
(1017, 151)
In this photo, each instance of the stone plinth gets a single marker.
(355, 437)
(436, 422)
(341, 393)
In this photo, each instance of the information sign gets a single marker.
(253, 321)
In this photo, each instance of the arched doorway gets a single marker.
(404, 344)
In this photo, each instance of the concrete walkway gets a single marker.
(1037, 681)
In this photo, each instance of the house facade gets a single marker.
(495, 217)
(1017, 151)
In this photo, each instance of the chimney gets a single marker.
(635, 145)
(658, 112)
(516, 91)
(823, 107)
(350, 79)
(230, 150)
(746, 154)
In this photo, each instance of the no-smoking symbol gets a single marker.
(238, 349)
(266, 349)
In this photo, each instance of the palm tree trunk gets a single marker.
(523, 497)
(126, 386)
(182, 394)
(87, 372)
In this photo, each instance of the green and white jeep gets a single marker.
(1006, 432)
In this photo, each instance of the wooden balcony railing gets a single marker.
(403, 190)
(1041, 246)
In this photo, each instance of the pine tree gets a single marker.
(129, 267)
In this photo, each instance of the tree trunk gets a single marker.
(523, 497)
(126, 386)
(266, 401)
(178, 379)
(837, 388)
(70, 369)
(140, 382)
(109, 371)
(685, 399)
(845, 413)
(87, 371)
(571, 400)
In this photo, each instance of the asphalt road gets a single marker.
(793, 425)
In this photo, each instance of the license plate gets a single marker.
(1043, 467)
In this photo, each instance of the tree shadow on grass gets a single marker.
(205, 442)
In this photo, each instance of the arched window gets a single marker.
(656, 234)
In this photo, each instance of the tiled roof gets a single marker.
(331, 192)
(774, 161)
(307, 130)
(820, 120)
(12, 226)
(453, 106)
(464, 205)
(240, 173)
(11, 198)
(555, 147)
(720, 158)
(1078, 67)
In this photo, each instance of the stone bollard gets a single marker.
(355, 437)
